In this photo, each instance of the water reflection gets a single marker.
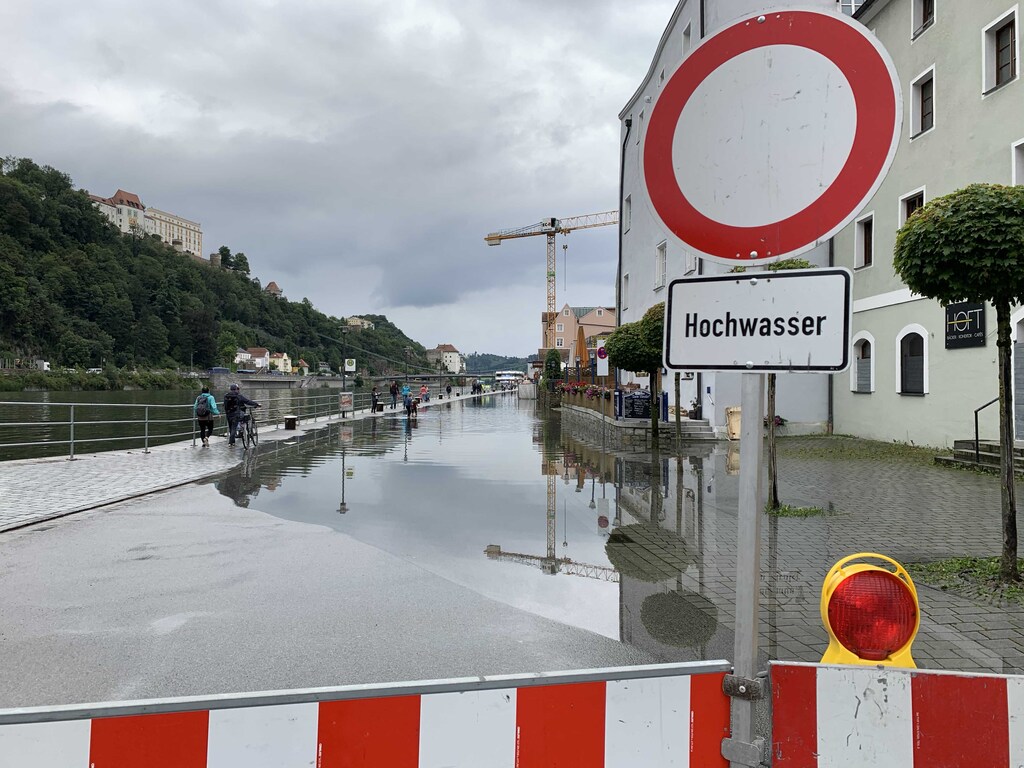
(458, 492)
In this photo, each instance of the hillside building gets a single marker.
(359, 322)
(127, 212)
(448, 358)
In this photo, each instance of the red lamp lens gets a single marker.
(872, 613)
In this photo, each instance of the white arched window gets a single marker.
(862, 371)
(912, 360)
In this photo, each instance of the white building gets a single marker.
(450, 359)
(912, 379)
(359, 322)
(126, 211)
(649, 261)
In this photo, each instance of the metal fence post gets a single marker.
(72, 437)
(145, 445)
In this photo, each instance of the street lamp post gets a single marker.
(344, 362)
(577, 369)
(408, 351)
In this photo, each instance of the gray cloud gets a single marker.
(357, 152)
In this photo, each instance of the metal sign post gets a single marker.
(743, 749)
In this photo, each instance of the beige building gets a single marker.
(595, 321)
(173, 229)
(359, 322)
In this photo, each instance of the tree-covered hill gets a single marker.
(76, 291)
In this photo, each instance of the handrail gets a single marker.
(977, 441)
(306, 407)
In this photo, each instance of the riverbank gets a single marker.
(110, 379)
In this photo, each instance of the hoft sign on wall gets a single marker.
(965, 325)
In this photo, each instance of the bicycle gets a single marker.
(248, 431)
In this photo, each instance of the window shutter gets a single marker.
(863, 374)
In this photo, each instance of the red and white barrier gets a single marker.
(826, 716)
(660, 716)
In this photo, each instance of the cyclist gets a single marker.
(234, 408)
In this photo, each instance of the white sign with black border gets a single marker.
(760, 322)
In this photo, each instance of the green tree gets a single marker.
(969, 246)
(552, 365)
(637, 347)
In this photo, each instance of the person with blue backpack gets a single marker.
(205, 409)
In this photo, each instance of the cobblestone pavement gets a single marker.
(35, 490)
(878, 501)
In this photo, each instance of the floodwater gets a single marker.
(491, 495)
(495, 495)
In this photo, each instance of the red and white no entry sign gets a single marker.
(772, 135)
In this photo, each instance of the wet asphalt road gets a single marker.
(183, 593)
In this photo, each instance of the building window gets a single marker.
(661, 78)
(910, 203)
(1017, 163)
(923, 117)
(686, 40)
(639, 126)
(924, 15)
(660, 265)
(864, 242)
(690, 262)
(862, 372)
(1000, 52)
(600, 312)
(559, 342)
(627, 213)
(849, 7)
(624, 300)
(912, 361)
(559, 328)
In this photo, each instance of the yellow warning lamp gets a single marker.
(871, 613)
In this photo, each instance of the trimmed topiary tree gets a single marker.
(969, 246)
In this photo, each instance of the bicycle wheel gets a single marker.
(243, 434)
(254, 433)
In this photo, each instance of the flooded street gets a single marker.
(481, 539)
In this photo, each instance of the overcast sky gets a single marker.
(356, 151)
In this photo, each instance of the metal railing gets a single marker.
(104, 426)
(977, 441)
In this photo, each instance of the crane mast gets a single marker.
(550, 228)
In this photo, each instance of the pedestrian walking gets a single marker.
(448, 391)
(394, 395)
(234, 408)
(205, 408)
(424, 394)
(374, 397)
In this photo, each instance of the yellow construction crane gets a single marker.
(550, 228)
(549, 563)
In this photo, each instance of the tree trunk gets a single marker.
(655, 407)
(773, 467)
(1008, 569)
(679, 428)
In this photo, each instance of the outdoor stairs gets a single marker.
(988, 455)
(690, 429)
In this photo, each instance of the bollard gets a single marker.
(71, 419)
